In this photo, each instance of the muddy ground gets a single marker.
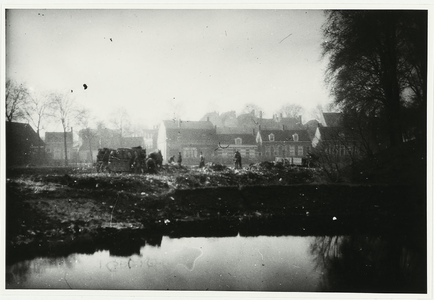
(58, 211)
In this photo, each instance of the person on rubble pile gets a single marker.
(202, 160)
(237, 159)
(179, 159)
(105, 160)
(99, 157)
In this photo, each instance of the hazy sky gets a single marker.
(153, 62)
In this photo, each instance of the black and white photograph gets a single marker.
(276, 150)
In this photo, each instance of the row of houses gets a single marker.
(256, 138)
(194, 137)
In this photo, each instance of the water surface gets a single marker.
(262, 263)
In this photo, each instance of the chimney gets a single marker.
(281, 115)
(179, 123)
(253, 112)
(260, 114)
(283, 126)
(207, 119)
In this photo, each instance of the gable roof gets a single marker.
(191, 132)
(22, 134)
(235, 130)
(175, 124)
(229, 139)
(285, 135)
(332, 119)
(335, 133)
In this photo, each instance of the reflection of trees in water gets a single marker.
(21, 271)
(368, 264)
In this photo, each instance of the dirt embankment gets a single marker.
(53, 211)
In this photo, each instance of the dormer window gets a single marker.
(271, 137)
(295, 137)
(238, 141)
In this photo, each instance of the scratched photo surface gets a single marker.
(247, 150)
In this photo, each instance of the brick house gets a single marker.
(291, 145)
(55, 148)
(188, 137)
(229, 143)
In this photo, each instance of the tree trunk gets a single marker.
(390, 82)
(39, 147)
(66, 148)
(90, 149)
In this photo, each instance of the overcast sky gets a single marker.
(156, 62)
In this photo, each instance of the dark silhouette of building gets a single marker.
(23, 145)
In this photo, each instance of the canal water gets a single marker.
(236, 263)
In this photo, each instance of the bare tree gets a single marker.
(252, 108)
(85, 119)
(176, 108)
(291, 110)
(16, 98)
(377, 62)
(337, 150)
(36, 112)
(120, 119)
(63, 108)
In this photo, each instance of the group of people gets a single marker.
(139, 155)
(237, 160)
(130, 159)
(179, 160)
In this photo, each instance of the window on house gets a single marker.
(276, 150)
(267, 151)
(300, 150)
(292, 150)
(190, 152)
(271, 137)
(295, 137)
(228, 152)
(238, 141)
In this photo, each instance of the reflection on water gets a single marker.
(263, 263)
(370, 264)
(230, 263)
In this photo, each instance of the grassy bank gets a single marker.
(64, 210)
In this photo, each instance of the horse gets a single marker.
(150, 165)
(157, 157)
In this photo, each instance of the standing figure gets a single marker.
(202, 160)
(179, 159)
(105, 161)
(99, 158)
(237, 159)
